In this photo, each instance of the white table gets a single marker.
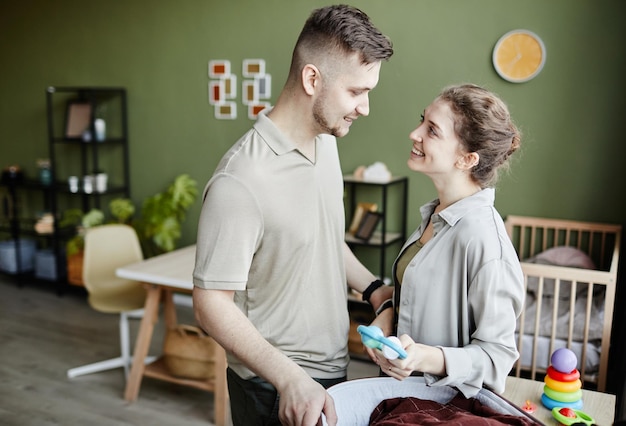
(599, 405)
(163, 275)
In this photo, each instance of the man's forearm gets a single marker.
(360, 278)
(217, 314)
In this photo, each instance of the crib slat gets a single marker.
(533, 365)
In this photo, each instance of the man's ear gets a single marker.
(468, 160)
(310, 78)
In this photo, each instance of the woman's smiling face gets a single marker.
(436, 146)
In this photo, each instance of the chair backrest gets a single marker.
(107, 248)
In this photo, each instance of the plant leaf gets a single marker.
(166, 234)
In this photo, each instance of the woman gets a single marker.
(458, 282)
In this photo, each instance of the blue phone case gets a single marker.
(373, 337)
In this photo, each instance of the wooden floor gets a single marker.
(43, 334)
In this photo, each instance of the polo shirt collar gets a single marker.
(272, 135)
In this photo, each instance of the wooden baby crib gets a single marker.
(570, 274)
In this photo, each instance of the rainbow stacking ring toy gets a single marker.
(563, 387)
(550, 403)
(560, 386)
(563, 377)
(562, 396)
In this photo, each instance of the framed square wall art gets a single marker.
(219, 68)
(255, 109)
(230, 86)
(249, 92)
(359, 214)
(368, 225)
(226, 110)
(253, 67)
(264, 86)
(217, 92)
(78, 119)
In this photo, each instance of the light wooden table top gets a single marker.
(600, 406)
(173, 269)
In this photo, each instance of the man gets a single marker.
(271, 263)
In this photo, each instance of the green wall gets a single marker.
(570, 165)
(572, 114)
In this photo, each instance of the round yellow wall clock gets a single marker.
(519, 56)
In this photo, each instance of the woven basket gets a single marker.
(188, 352)
(75, 269)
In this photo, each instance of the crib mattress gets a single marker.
(356, 399)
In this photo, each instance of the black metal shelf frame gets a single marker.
(56, 194)
(384, 238)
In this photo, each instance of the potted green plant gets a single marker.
(75, 245)
(158, 225)
(161, 217)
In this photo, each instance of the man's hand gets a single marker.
(302, 403)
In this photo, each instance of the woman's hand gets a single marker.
(420, 357)
(400, 369)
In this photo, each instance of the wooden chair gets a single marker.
(107, 248)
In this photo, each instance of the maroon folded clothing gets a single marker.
(459, 411)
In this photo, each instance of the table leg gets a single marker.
(169, 309)
(150, 317)
(220, 394)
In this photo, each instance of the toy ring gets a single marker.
(581, 417)
(563, 396)
(563, 377)
(550, 403)
(562, 386)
